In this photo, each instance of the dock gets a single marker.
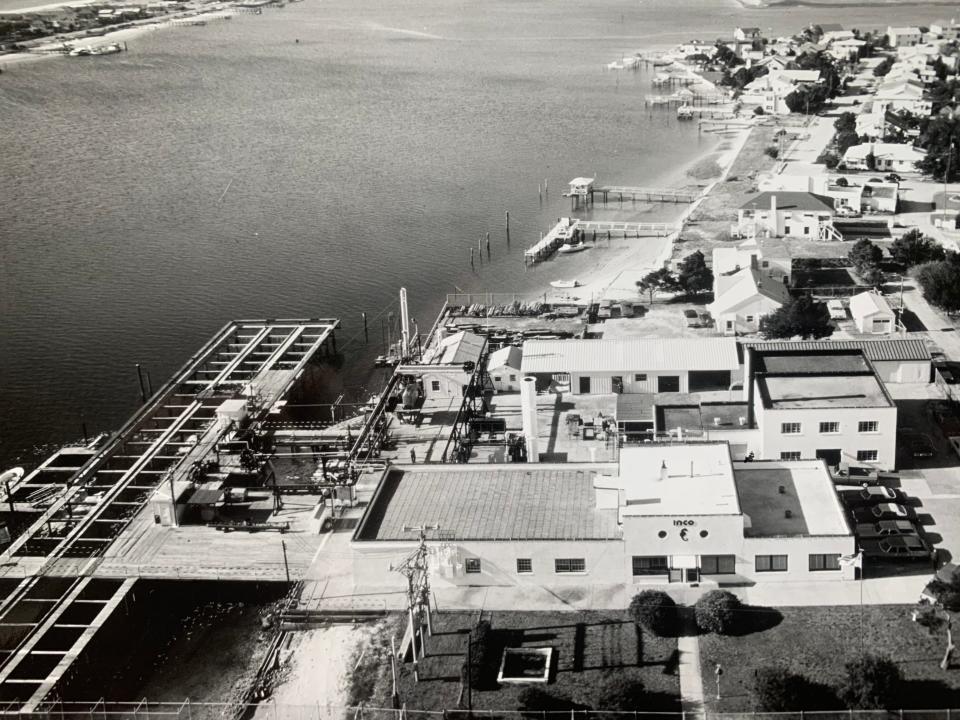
(563, 230)
(597, 229)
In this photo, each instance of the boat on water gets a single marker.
(565, 283)
(573, 247)
(91, 50)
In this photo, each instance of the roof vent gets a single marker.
(716, 422)
(788, 514)
(663, 470)
(782, 490)
(743, 420)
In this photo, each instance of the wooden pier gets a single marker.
(600, 228)
(563, 230)
(687, 97)
(645, 194)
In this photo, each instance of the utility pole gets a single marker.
(416, 569)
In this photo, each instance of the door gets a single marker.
(668, 383)
(584, 385)
(616, 383)
(831, 456)
(693, 575)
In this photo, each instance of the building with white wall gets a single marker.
(503, 367)
(743, 298)
(787, 214)
(665, 513)
(903, 36)
(872, 314)
(640, 365)
(448, 368)
(887, 157)
(827, 405)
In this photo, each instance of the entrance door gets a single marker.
(584, 385)
(616, 383)
(831, 456)
(668, 383)
(693, 575)
(676, 575)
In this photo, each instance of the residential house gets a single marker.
(881, 197)
(641, 365)
(773, 63)
(503, 367)
(830, 405)
(902, 94)
(787, 214)
(887, 157)
(747, 34)
(904, 36)
(871, 314)
(742, 297)
(844, 49)
(944, 30)
(770, 91)
(832, 36)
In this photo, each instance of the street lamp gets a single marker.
(718, 671)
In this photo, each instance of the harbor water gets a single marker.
(308, 162)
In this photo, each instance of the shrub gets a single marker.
(871, 682)
(772, 151)
(537, 700)
(831, 160)
(655, 611)
(717, 611)
(758, 110)
(779, 690)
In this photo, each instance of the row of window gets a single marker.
(829, 428)
(862, 455)
(659, 565)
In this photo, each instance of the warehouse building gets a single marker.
(642, 365)
(664, 514)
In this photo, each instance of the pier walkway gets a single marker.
(596, 228)
(622, 192)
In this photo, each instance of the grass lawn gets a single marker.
(587, 646)
(816, 642)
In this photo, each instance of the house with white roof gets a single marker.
(503, 367)
(904, 36)
(887, 157)
(945, 30)
(843, 49)
(902, 94)
(747, 34)
(787, 214)
(871, 313)
(640, 365)
(447, 369)
(770, 91)
(742, 297)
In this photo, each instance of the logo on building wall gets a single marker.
(683, 534)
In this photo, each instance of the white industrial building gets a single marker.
(829, 405)
(665, 513)
(641, 365)
(872, 314)
(447, 370)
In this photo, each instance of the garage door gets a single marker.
(668, 383)
(704, 380)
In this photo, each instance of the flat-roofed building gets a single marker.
(642, 365)
(828, 404)
(666, 513)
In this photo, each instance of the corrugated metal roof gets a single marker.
(909, 349)
(790, 200)
(636, 355)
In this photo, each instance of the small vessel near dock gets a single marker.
(565, 284)
(572, 247)
(90, 50)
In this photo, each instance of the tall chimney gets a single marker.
(404, 325)
(528, 413)
(748, 374)
(773, 214)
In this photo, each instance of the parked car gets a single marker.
(692, 318)
(885, 528)
(870, 495)
(893, 177)
(898, 548)
(837, 311)
(855, 475)
(919, 446)
(847, 212)
(881, 511)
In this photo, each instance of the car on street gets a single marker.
(881, 511)
(897, 548)
(870, 495)
(893, 177)
(886, 528)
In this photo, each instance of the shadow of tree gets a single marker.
(755, 618)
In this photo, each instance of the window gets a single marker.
(829, 427)
(790, 428)
(569, 565)
(524, 566)
(435, 385)
(656, 565)
(790, 455)
(806, 230)
(513, 378)
(868, 426)
(496, 378)
(472, 565)
(824, 562)
(718, 564)
(866, 455)
(749, 318)
(786, 229)
(771, 563)
(640, 377)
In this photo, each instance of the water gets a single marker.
(372, 153)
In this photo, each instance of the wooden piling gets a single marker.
(366, 335)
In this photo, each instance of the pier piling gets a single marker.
(143, 395)
(366, 335)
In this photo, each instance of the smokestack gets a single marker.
(773, 214)
(663, 470)
(747, 374)
(404, 325)
(528, 413)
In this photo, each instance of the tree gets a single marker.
(846, 121)
(694, 276)
(846, 140)
(802, 316)
(661, 280)
(941, 139)
(940, 282)
(913, 248)
(807, 98)
(716, 611)
(883, 68)
(779, 690)
(871, 682)
(842, 182)
(655, 611)
(865, 258)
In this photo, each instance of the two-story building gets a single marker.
(904, 36)
(787, 214)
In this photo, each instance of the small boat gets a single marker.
(565, 283)
(381, 361)
(573, 247)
